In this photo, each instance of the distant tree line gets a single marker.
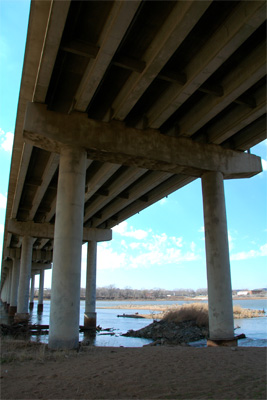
(111, 292)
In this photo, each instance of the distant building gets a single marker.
(244, 293)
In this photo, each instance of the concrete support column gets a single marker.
(9, 279)
(66, 272)
(41, 292)
(90, 295)
(32, 292)
(221, 323)
(24, 279)
(14, 288)
(4, 292)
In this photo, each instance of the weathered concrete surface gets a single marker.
(65, 293)
(90, 294)
(221, 322)
(24, 277)
(46, 230)
(115, 142)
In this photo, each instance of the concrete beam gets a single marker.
(246, 17)
(117, 24)
(165, 43)
(164, 189)
(101, 176)
(52, 38)
(238, 81)
(126, 179)
(237, 119)
(39, 266)
(48, 174)
(46, 230)
(114, 142)
(150, 181)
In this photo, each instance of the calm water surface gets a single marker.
(254, 328)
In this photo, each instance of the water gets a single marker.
(255, 329)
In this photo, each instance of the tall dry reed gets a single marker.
(198, 312)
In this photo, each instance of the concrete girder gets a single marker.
(52, 38)
(172, 184)
(152, 180)
(116, 26)
(176, 27)
(243, 21)
(49, 172)
(37, 255)
(40, 266)
(237, 119)
(238, 81)
(36, 31)
(117, 143)
(126, 179)
(46, 230)
(242, 138)
(102, 175)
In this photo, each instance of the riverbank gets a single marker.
(34, 372)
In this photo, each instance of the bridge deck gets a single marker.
(186, 70)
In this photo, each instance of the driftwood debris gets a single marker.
(136, 315)
(25, 329)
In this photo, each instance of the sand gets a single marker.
(163, 372)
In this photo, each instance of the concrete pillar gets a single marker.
(32, 292)
(66, 271)
(90, 295)
(41, 292)
(9, 287)
(221, 323)
(5, 291)
(24, 279)
(14, 287)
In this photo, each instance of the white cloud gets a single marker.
(230, 241)
(107, 258)
(121, 229)
(153, 249)
(134, 245)
(163, 201)
(244, 255)
(264, 164)
(3, 201)
(193, 246)
(6, 140)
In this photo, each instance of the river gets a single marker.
(255, 329)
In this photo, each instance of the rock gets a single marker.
(163, 332)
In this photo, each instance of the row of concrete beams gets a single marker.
(237, 82)
(114, 142)
(243, 21)
(182, 19)
(22, 151)
(46, 231)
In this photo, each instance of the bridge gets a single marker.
(122, 103)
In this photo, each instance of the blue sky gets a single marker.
(162, 246)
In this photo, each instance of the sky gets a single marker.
(163, 246)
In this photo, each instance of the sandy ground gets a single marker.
(163, 372)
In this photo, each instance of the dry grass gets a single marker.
(13, 350)
(198, 312)
(189, 312)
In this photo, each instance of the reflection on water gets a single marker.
(254, 328)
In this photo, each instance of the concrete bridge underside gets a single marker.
(122, 103)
